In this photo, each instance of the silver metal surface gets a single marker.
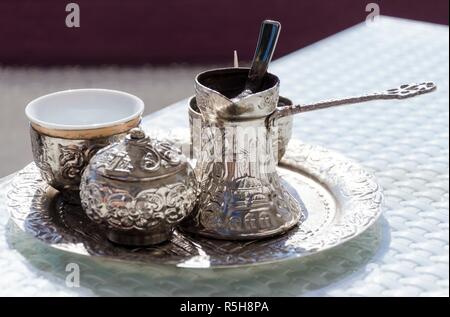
(214, 90)
(241, 195)
(341, 200)
(138, 189)
(281, 134)
(62, 161)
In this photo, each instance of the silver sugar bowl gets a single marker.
(138, 189)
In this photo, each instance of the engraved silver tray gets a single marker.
(340, 200)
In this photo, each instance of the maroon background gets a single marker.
(166, 31)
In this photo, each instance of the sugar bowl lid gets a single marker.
(138, 158)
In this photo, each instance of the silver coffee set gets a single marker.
(141, 191)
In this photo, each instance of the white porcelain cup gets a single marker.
(68, 127)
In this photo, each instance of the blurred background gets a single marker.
(151, 48)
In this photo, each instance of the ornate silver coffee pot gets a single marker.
(241, 193)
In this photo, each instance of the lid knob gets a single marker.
(137, 134)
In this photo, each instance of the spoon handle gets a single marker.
(402, 92)
(267, 41)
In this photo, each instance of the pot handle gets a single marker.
(402, 92)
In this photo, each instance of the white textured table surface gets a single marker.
(404, 143)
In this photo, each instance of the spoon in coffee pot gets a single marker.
(267, 41)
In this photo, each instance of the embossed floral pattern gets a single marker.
(40, 156)
(152, 207)
(72, 161)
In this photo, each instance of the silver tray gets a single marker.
(340, 200)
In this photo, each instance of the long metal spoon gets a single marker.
(267, 41)
(402, 92)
